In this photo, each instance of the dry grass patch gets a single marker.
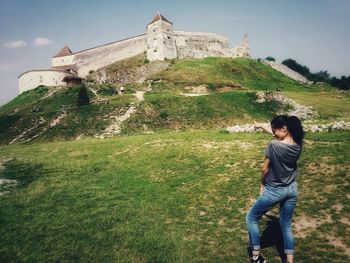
(339, 243)
(305, 225)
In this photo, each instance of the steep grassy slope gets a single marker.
(169, 110)
(166, 197)
(245, 73)
(231, 85)
(59, 118)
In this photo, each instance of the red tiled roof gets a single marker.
(65, 51)
(157, 17)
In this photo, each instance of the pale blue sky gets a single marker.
(314, 32)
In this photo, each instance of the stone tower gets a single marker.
(160, 39)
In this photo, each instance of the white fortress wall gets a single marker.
(63, 61)
(34, 78)
(201, 44)
(98, 57)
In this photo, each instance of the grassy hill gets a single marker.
(172, 187)
(243, 73)
(165, 197)
(231, 100)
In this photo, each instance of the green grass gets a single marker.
(165, 197)
(244, 73)
(329, 103)
(24, 100)
(79, 121)
(167, 109)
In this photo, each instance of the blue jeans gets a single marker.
(285, 196)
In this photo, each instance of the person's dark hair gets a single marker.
(293, 125)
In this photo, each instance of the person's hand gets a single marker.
(262, 188)
(257, 125)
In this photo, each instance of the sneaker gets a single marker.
(258, 259)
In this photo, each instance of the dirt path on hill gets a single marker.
(140, 95)
(53, 123)
(52, 91)
(194, 94)
(20, 136)
(41, 120)
(115, 127)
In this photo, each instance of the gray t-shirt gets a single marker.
(283, 158)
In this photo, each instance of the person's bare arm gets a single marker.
(264, 172)
(265, 126)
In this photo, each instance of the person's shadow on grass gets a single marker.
(272, 236)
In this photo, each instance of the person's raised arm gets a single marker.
(265, 126)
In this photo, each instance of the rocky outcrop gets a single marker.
(243, 49)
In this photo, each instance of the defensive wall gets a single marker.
(160, 42)
(47, 77)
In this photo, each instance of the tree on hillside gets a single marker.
(270, 58)
(321, 76)
(83, 97)
(292, 64)
(342, 83)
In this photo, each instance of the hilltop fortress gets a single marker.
(160, 42)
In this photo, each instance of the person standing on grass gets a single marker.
(278, 183)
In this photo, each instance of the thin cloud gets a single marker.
(15, 44)
(42, 41)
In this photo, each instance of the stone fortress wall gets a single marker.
(160, 42)
(201, 44)
(34, 78)
(95, 58)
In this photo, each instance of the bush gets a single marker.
(292, 64)
(270, 59)
(215, 86)
(106, 90)
(83, 97)
(146, 61)
(164, 115)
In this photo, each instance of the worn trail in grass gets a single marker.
(165, 197)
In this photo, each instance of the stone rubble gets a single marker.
(301, 111)
(329, 127)
(201, 89)
(7, 183)
(242, 128)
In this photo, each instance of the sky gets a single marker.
(315, 33)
